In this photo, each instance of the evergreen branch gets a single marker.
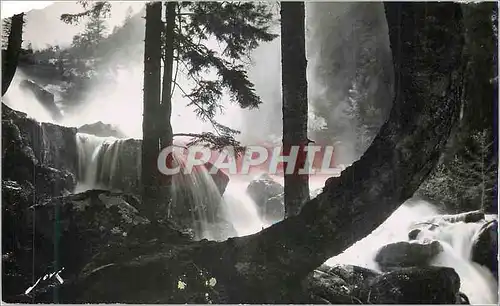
(205, 118)
(100, 8)
(212, 141)
(234, 77)
(240, 26)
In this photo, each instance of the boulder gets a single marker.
(102, 130)
(268, 196)
(406, 254)
(220, 178)
(337, 285)
(415, 285)
(45, 98)
(485, 247)
(273, 210)
(353, 275)
(413, 234)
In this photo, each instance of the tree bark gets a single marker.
(164, 121)
(295, 104)
(166, 100)
(10, 57)
(150, 142)
(426, 41)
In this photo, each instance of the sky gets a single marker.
(43, 26)
(10, 8)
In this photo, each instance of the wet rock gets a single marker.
(413, 234)
(340, 284)
(406, 254)
(485, 247)
(16, 198)
(353, 275)
(26, 255)
(467, 217)
(71, 231)
(102, 130)
(45, 98)
(321, 285)
(415, 285)
(20, 164)
(268, 196)
(51, 145)
(220, 178)
(105, 213)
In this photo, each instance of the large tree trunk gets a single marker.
(164, 122)
(10, 57)
(150, 140)
(426, 40)
(166, 99)
(294, 86)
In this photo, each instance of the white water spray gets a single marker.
(24, 100)
(456, 238)
(241, 209)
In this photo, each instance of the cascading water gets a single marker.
(241, 209)
(102, 162)
(456, 238)
(202, 195)
(90, 149)
(110, 163)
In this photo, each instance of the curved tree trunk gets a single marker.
(426, 41)
(10, 57)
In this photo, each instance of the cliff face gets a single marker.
(53, 146)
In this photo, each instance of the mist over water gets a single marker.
(24, 100)
(348, 46)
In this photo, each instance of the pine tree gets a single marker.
(238, 28)
(93, 34)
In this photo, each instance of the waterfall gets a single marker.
(241, 209)
(98, 160)
(114, 164)
(456, 238)
(202, 195)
